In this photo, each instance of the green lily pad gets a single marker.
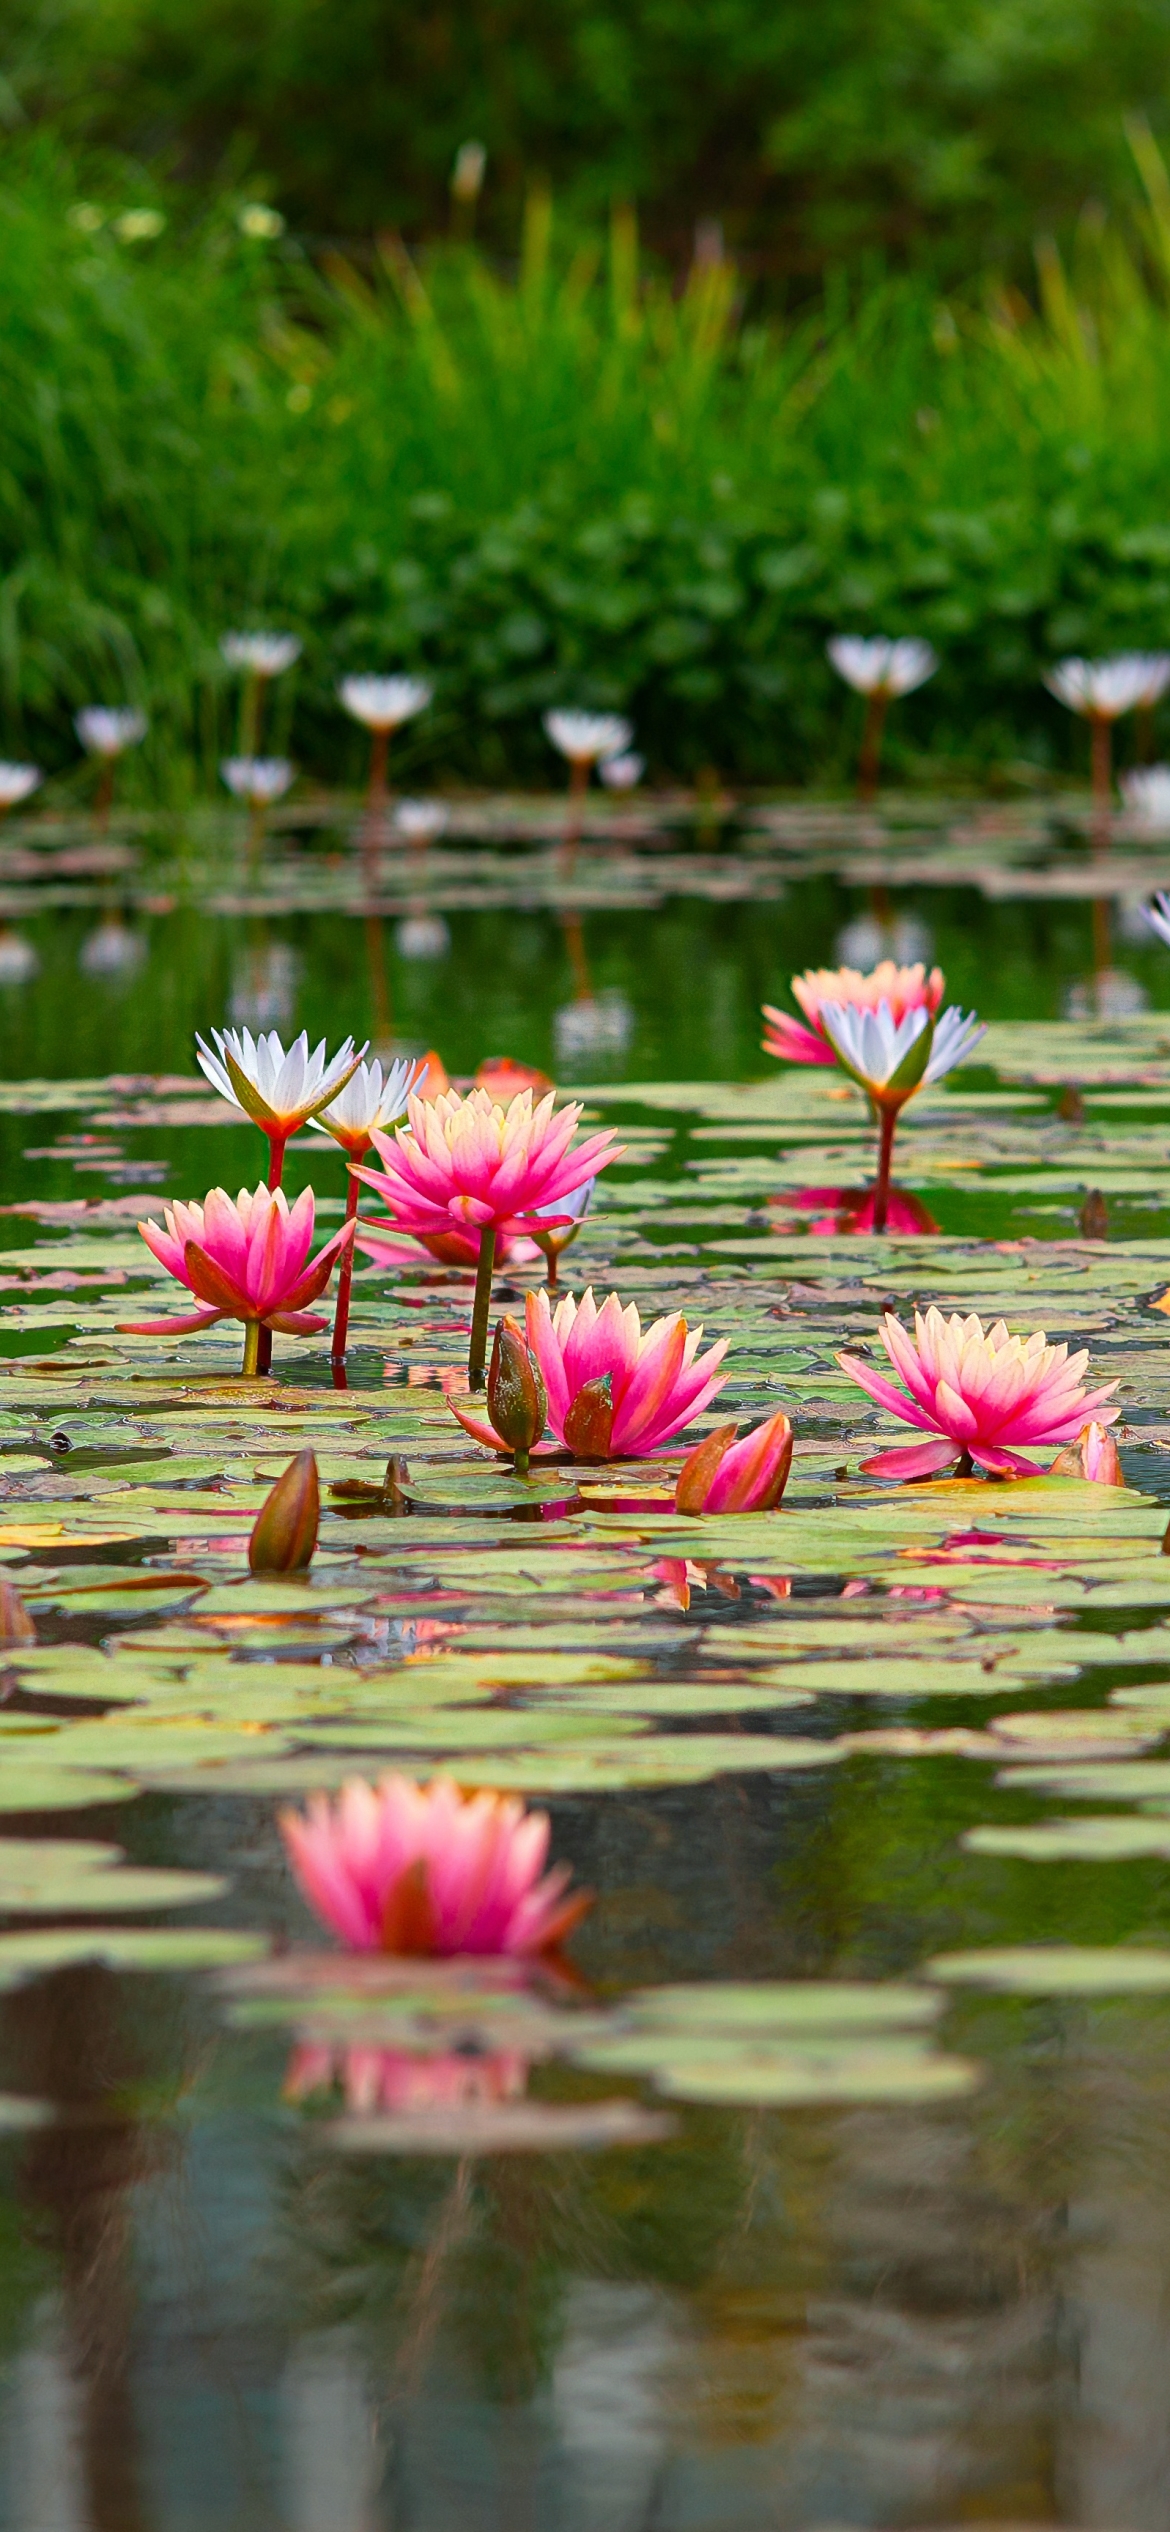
(158, 1948)
(1057, 1969)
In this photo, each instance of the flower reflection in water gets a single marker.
(841, 1210)
(373, 2079)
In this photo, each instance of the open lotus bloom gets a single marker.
(584, 737)
(1158, 916)
(1103, 689)
(279, 1091)
(420, 820)
(370, 1102)
(260, 654)
(108, 733)
(1092, 1456)
(406, 1868)
(981, 1394)
(247, 1259)
(16, 783)
(723, 1475)
(890, 1058)
(257, 779)
(879, 666)
(902, 989)
(384, 703)
(468, 1163)
(612, 1392)
(399, 2082)
(1146, 790)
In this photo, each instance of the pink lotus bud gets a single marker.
(723, 1475)
(516, 1397)
(285, 1533)
(16, 1626)
(589, 1422)
(1093, 1455)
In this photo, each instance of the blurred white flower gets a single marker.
(18, 958)
(1102, 689)
(258, 219)
(879, 666)
(383, 703)
(276, 1089)
(113, 950)
(132, 226)
(1158, 916)
(371, 1101)
(1147, 792)
(257, 779)
(16, 782)
(260, 654)
(107, 733)
(620, 773)
(600, 1026)
(419, 820)
(585, 736)
(467, 175)
(423, 936)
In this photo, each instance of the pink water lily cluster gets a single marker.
(982, 1395)
(613, 1391)
(400, 1867)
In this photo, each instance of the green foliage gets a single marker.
(946, 135)
(571, 486)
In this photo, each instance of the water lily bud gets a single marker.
(1093, 1455)
(589, 1422)
(516, 1396)
(285, 1533)
(16, 1626)
(723, 1475)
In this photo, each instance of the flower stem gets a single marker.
(477, 1351)
(252, 1335)
(376, 787)
(870, 757)
(345, 1272)
(881, 1191)
(520, 1463)
(277, 1144)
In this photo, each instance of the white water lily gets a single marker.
(620, 773)
(419, 820)
(279, 1091)
(583, 737)
(370, 1102)
(1102, 689)
(383, 703)
(257, 779)
(893, 1058)
(1146, 790)
(16, 782)
(107, 733)
(260, 654)
(879, 666)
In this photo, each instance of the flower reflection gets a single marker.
(841, 1210)
(404, 2080)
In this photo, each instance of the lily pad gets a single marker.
(1055, 1969)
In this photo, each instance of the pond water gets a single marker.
(828, 2187)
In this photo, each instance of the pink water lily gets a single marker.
(469, 1165)
(979, 1392)
(406, 1868)
(1092, 1456)
(722, 1474)
(613, 1392)
(244, 1259)
(902, 988)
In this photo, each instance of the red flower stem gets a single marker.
(477, 1351)
(881, 1192)
(345, 1272)
(276, 1151)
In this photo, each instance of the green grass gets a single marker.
(570, 483)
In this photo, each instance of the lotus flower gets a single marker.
(468, 1163)
(401, 2082)
(260, 654)
(106, 733)
(384, 703)
(1092, 1456)
(880, 666)
(583, 737)
(16, 782)
(400, 1867)
(723, 1475)
(257, 779)
(613, 1393)
(245, 1260)
(903, 989)
(977, 1392)
(279, 1091)
(1103, 689)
